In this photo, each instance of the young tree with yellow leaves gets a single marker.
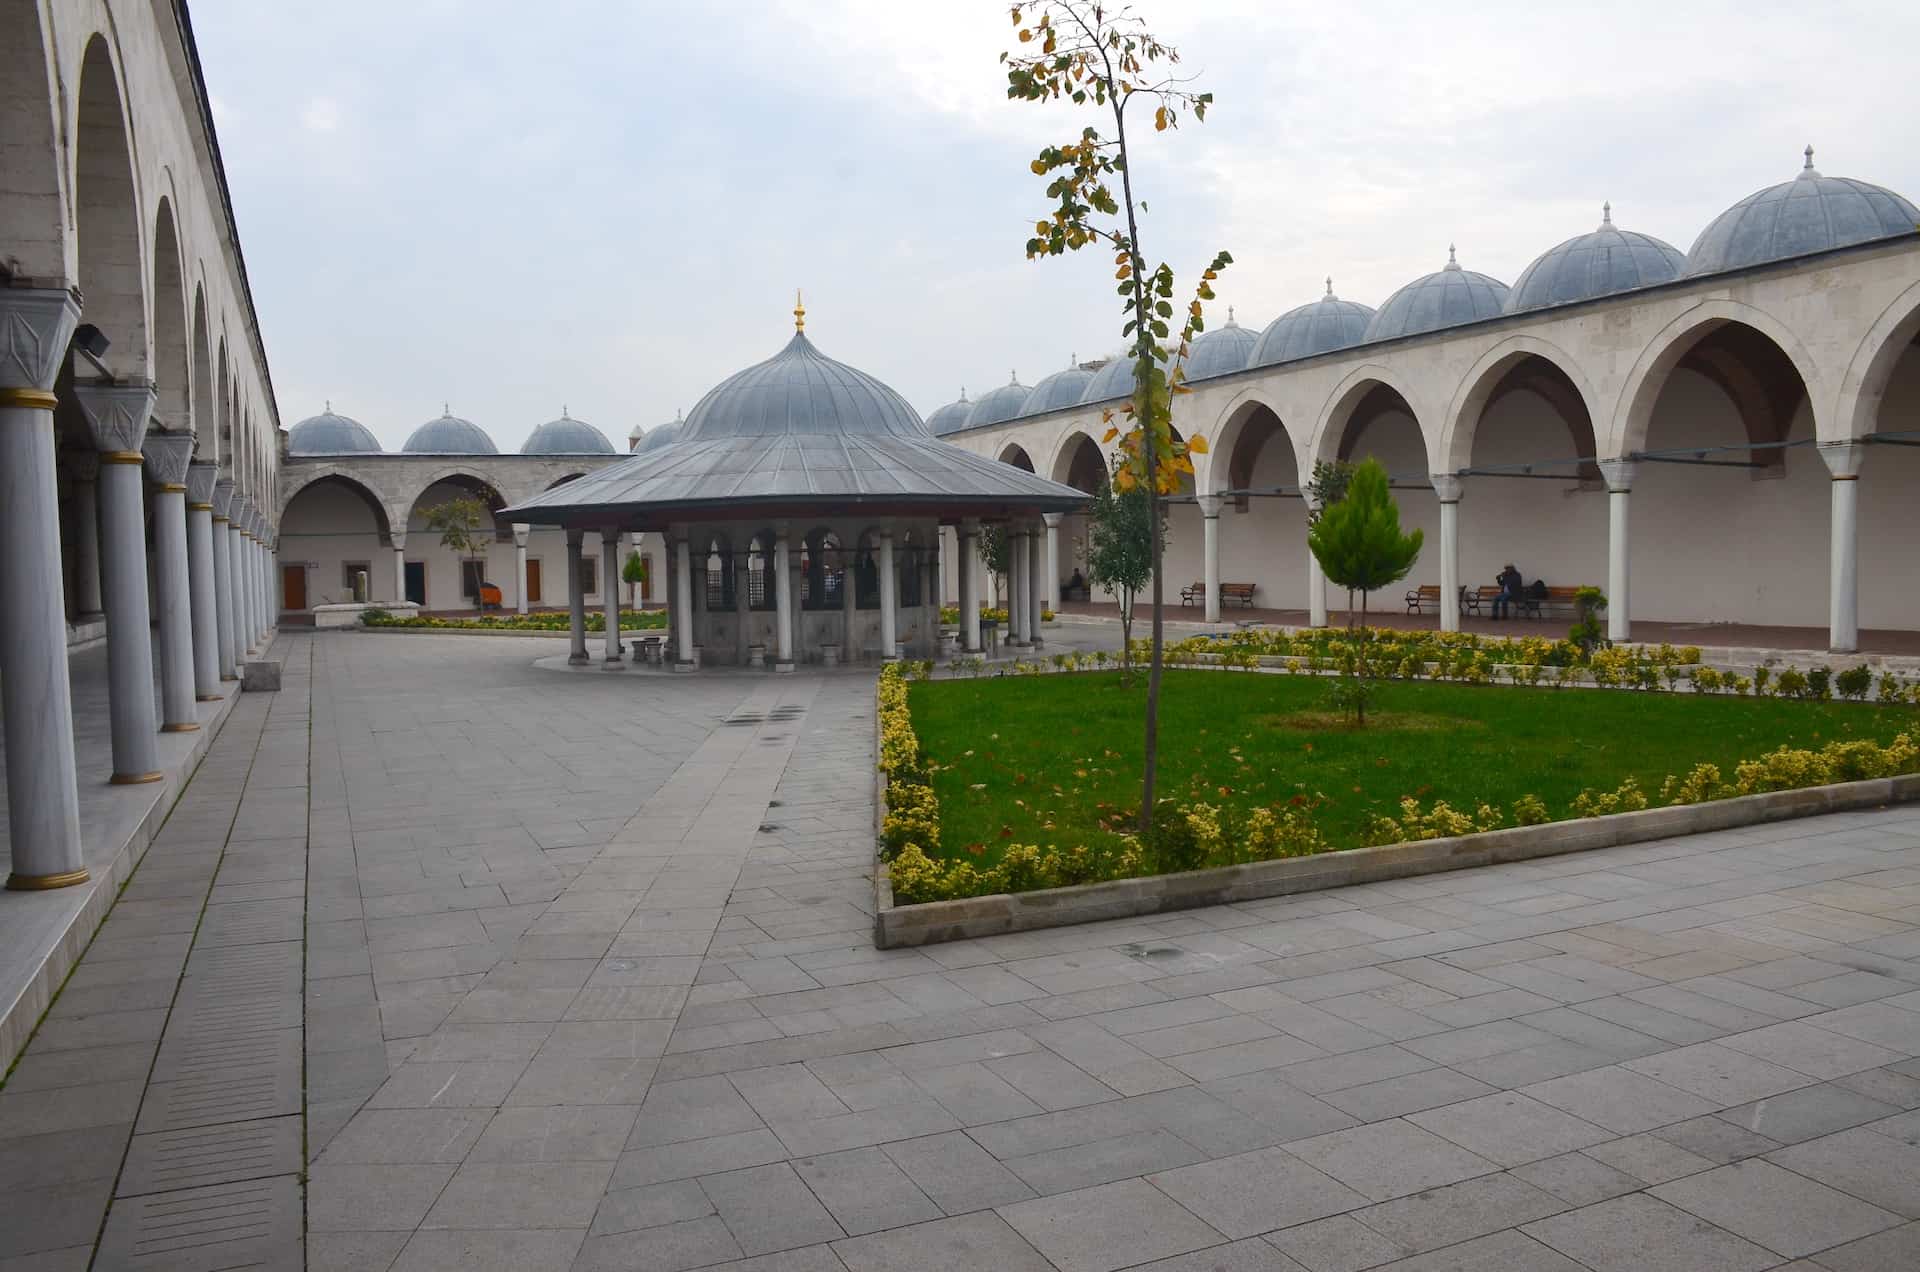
(1105, 60)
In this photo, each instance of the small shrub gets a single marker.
(1789, 683)
(1854, 682)
(1530, 810)
(1626, 798)
(1697, 787)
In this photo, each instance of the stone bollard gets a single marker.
(360, 586)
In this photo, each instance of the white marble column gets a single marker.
(223, 577)
(1447, 487)
(1036, 586)
(520, 533)
(1016, 587)
(683, 601)
(849, 606)
(167, 456)
(782, 598)
(399, 541)
(610, 595)
(1210, 523)
(118, 414)
(1316, 582)
(1844, 460)
(889, 601)
(236, 579)
(969, 567)
(43, 799)
(256, 603)
(1051, 592)
(1619, 474)
(576, 601)
(84, 469)
(200, 568)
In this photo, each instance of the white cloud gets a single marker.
(320, 115)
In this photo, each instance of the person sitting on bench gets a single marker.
(1510, 584)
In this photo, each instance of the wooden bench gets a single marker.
(1477, 600)
(1424, 595)
(1560, 600)
(1196, 593)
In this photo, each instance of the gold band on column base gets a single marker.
(33, 399)
(211, 697)
(229, 680)
(41, 883)
(180, 728)
(122, 457)
(135, 779)
(199, 507)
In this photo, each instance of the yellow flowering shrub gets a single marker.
(1439, 822)
(1627, 798)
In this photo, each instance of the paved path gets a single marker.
(588, 984)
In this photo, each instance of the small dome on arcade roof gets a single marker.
(566, 436)
(1600, 263)
(1057, 391)
(330, 434)
(1004, 403)
(952, 417)
(450, 435)
(1448, 297)
(1222, 350)
(1317, 327)
(1811, 213)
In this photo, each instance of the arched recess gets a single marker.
(332, 528)
(344, 485)
(1015, 454)
(206, 425)
(1523, 364)
(1369, 403)
(462, 482)
(32, 224)
(1881, 397)
(1079, 462)
(1894, 335)
(1240, 458)
(107, 212)
(172, 373)
(223, 409)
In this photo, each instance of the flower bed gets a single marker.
(547, 621)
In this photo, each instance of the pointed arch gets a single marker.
(1251, 422)
(1078, 462)
(1863, 386)
(206, 439)
(1520, 361)
(1016, 454)
(1365, 391)
(32, 220)
(172, 371)
(110, 245)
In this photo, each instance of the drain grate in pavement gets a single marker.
(786, 711)
(242, 1225)
(206, 1155)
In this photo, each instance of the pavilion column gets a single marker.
(796, 612)
(969, 566)
(1447, 487)
(200, 582)
(1051, 592)
(245, 633)
(782, 599)
(118, 414)
(1016, 587)
(576, 601)
(223, 578)
(43, 798)
(1619, 474)
(399, 538)
(256, 595)
(889, 600)
(1844, 460)
(1036, 586)
(930, 597)
(84, 470)
(1316, 578)
(1210, 514)
(520, 532)
(167, 457)
(683, 600)
(610, 594)
(849, 604)
(236, 579)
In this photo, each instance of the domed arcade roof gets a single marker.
(566, 436)
(1057, 391)
(798, 430)
(1600, 263)
(450, 435)
(331, 434)
(1003, 404)
(950, 418)
(1221, 351)
(655, 438)
(1317, 327)
(1810, 213)
(1114, 380)
(1448, 297)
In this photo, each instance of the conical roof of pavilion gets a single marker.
(798, 432)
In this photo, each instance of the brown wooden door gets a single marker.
(293, 587)
(533, 582)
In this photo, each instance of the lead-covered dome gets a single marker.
(1320, 326)
(654, 438)
(331, 434)
(450, 435)
(797, 391)
(1003, 404)
(1607, 261)
(1057, 391)
(952, 417)
(1448, 297)
(1114, 380)
(1222, 351)
(567, 436)
(1810, 213)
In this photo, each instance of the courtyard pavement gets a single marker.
(541, 971)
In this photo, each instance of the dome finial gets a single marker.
(799, 311)
(563, 411)
(1329, 295)
(329, 406)
(446, 408)
(1453, 262)
(1606, 214)
(1809, 152)
(1013, 377)
(1230, 321)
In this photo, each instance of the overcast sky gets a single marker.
(511, 207)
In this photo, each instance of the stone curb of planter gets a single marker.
(559, 634)
(935, 921)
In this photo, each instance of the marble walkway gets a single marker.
(448, 962)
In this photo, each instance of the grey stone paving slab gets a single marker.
(1497, 1253)
(203, 1156)
(1872, 1167)
(1459, 1212)
(1640, 1233)
(1510, 1128)
(769, 1208)
(1339, 1244)
(1113, 1226)
(488, 1251)
(1256, 1192)
(982, 1240)
(1788, 1213)
(250, 1224)
(1390, 1159)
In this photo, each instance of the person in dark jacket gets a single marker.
(1510, 583)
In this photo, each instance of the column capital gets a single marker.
(886, 534)
(1209, 505)
(1446, 486)
(1844, 459)
(117, 414)
(969, 526)
(200, 479)
(520, 532)
(398, 538)
(36, 325)
(1619, 474)
(575, 537)
(223, 492)
(608, 534)
(168, 455)
(1052, 519)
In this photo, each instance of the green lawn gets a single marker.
(1044, 759)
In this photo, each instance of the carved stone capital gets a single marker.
(1844, 459)
(223, 497)
(520, 532)
(200, 479)
(80, 466)
(399, 540)
(1446, 487)
(1209, 505)
(168, 455)
(117, 414)
(35, 326)
(1052, 519)
(1619, 474)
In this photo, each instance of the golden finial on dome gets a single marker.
(799, 311)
